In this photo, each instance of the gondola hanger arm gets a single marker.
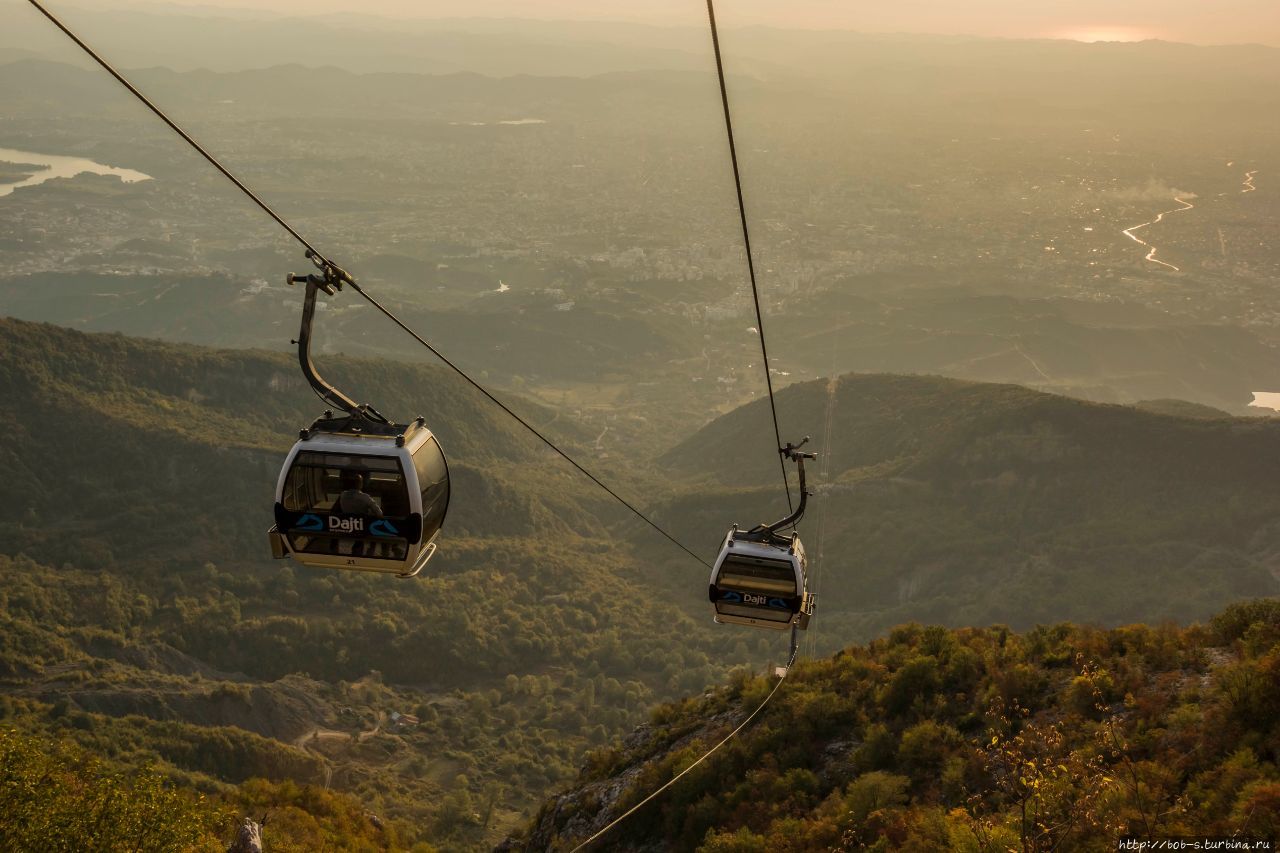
(330, 281)
(792, 452)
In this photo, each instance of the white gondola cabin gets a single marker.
(357, 491)
(760, 577)
(356, 500)
(761, 581)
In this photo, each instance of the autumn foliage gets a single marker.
(1062, 738)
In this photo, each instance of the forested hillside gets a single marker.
(144, 622)
(979, 739)
(965, 504)
(205, 430)
(143, 618)
(60, 797)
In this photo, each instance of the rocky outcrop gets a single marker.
(579, 813)
(248, 838)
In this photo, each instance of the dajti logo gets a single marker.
(382, 527)
(346, 525)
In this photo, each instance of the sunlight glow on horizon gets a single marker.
(1222, 22)
(1094, 35)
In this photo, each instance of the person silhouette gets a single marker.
(354, 500)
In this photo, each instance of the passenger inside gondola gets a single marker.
(330, 483)
(354, 500)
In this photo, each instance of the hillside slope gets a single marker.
(199, 426)
(143, 619)
(1063, 738)
(967, 503)
(138, 598)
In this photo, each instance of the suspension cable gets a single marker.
(164, 118)
(524, 423)
(676, 778)
(349, 280)
(746, 240)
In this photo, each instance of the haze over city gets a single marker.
(1015, 266)
(1191, 21)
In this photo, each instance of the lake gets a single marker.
(1266, 400)
(57, 166)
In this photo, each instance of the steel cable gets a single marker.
(676, 778)
(530, 427)
(387, 312)
(746, 240)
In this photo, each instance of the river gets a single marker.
(1151, 253)
(57, 166)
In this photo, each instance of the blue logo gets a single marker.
(309, 522)
(730, 596)
(382, 527)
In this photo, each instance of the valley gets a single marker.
(1032, 342)
(152, 616)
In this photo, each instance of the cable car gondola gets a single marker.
(760, 576)
(357, 491)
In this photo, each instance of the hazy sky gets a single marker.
(1196, 21)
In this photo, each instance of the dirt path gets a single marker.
(308, 740)
(377, 727)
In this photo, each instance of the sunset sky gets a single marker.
(1196, 21)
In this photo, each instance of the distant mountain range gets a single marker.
(226, 41)
(522, 330)
(937, 499)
